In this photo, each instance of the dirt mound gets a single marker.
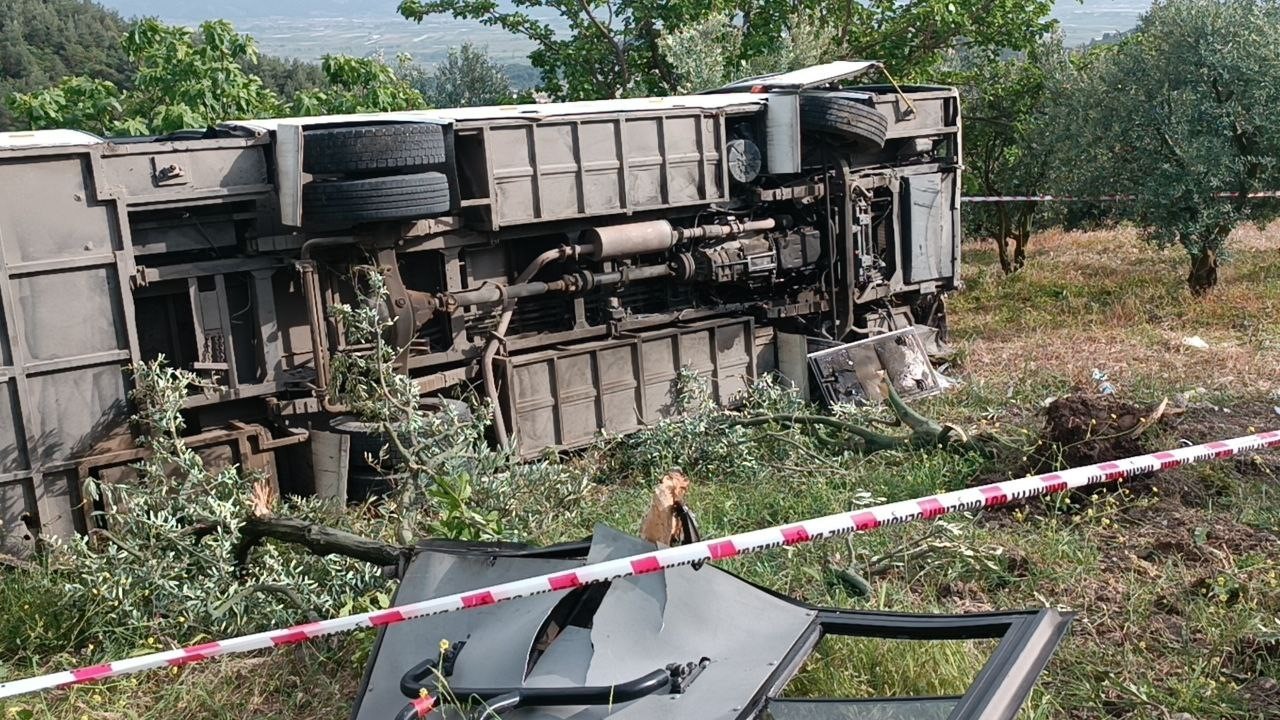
(1087, 429)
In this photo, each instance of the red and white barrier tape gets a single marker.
(1100, 198)
(727, 547)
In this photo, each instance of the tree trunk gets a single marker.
(1204, 272)
(1022, 236)
(1002, 240)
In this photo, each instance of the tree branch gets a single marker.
(283, 591)
(619, 50)
(317, 539)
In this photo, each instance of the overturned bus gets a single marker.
(563, 261)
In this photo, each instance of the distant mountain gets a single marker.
(308, 29)
(235, 10)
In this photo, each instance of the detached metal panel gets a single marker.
(67, 332)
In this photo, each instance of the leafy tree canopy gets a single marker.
(613, 48)
(194, 79)
(360, 85)
(466, 78)
(1176, 114)
(1007, 145)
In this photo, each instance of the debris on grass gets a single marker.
(661, 525)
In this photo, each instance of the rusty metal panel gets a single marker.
(564, 398)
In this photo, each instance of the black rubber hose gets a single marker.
(498, 700)
(642, 686)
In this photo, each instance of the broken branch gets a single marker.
(317, 539)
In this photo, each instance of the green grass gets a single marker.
(1176, 582)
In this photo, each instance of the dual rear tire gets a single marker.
(374, 173)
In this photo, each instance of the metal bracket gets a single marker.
(167, 175)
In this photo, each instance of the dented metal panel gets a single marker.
(930, 230)
(858, 372)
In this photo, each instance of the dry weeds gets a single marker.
(1105, 300)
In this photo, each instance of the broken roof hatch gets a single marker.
(687, 644)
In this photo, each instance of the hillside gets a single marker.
(43, 40)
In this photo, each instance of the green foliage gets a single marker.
(191, 80)
(466, 78)
(196, 79)
(609, 50)
(359, 85)
(77, 102)
(43, 41)
(712, 52)
(615, 48)
(287, 77)
(1173, 114)
(438, 459)
(149, 577)
(695, 438)
(183, 79)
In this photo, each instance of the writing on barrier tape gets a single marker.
(862, 520)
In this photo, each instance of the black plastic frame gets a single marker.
(1027, 640)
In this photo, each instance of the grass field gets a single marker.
(1175, 579)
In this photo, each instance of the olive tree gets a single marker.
(711, 52)
(1181, 116)
(468, 77)
(1008, 151)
